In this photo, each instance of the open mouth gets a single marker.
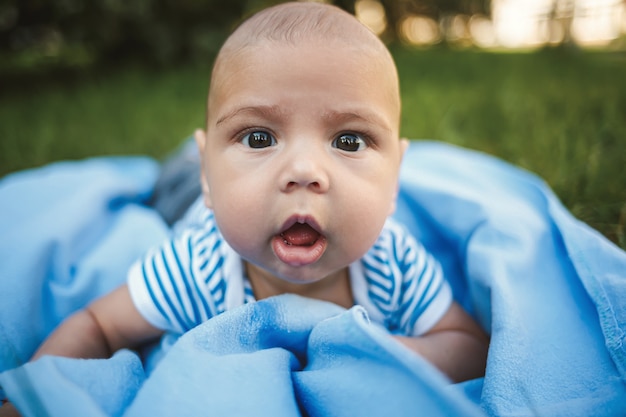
(300, 234)
(300, 244)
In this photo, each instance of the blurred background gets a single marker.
(539, 83)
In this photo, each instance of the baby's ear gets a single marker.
(200, 137)
(404, 144)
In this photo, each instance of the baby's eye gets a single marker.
(258, 139)
(349, 142)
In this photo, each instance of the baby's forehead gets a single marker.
(300, 27)
(303, 23)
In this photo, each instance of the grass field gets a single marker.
(560, 114)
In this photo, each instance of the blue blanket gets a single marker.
(550, 290)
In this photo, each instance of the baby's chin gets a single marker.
(297, 276)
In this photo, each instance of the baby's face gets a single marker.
(301, 157)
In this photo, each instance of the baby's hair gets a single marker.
(296, 21)
(303, 23)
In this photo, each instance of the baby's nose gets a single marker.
(305, 170)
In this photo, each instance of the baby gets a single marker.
(300, 161)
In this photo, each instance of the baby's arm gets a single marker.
(105, 326)
(108, 324)
(456, 345)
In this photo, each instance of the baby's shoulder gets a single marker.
(395, 233)
(197, 217)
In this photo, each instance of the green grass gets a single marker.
(128, 112)
(559, 114)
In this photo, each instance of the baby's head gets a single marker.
(301, 151)
(303, 25)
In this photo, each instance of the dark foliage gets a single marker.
(40, 35)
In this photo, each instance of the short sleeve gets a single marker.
(400, 284)
(165, 289)
(426, 295)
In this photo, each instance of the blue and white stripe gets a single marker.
(183, 280)
(187, 280)
(405, 284)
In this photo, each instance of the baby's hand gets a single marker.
(8, 410)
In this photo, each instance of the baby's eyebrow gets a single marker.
(361, 115)
(269, 112)
(273, 112)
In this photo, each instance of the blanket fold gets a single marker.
(283, 356)
(550, 290)
(54, 386)
(68, 232)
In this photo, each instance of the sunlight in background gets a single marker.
(512, 24)
(420, 30)
(599, 21)
(519, 23)
(372, 14)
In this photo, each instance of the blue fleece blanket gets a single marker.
(550, 290)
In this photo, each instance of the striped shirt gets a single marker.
(197, 275)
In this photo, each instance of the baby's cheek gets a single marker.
(363, 232)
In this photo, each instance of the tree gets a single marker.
(34, 33)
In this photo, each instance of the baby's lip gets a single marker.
(299, 243)
(302, 219)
